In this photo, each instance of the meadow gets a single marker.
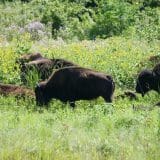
(94, 130)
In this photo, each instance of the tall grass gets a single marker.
(94, 130)
(98, 131)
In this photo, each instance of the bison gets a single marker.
(148, 80)
(23, 60)
(29, 57)
(42, 65)
(14, 90)
(70, 84)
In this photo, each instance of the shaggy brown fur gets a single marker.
(70, 84)
(29, 57)
(60, 63)
(14, 90)
(56, 63)
(145, 82)
(43, 66)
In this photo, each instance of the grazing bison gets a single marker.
(18, 91)
(148, 80)
(42, 65)
(25, 59)
(70, 84)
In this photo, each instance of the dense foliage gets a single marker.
(88, 19)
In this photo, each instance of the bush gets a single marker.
(113, 19)
(148, 24)
(85, 19)
(67, 18)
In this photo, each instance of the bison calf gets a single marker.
(75, 83)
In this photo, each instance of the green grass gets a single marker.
(94, 130)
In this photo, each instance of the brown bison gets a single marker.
(29, 57)
(70, 84)
(148, 80)
(23, 60)
(43, 66)
(14, 90)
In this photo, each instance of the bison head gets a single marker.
(41, 97)
(145, 82)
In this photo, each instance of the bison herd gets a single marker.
(69, 82)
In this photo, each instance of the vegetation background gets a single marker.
(113, 36)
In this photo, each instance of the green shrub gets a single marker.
(148, 24)
(84, 19)
(112, 19)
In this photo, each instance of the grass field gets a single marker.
(121, 36)
(94, 130)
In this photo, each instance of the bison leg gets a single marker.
(107, 99)
(72, 104)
